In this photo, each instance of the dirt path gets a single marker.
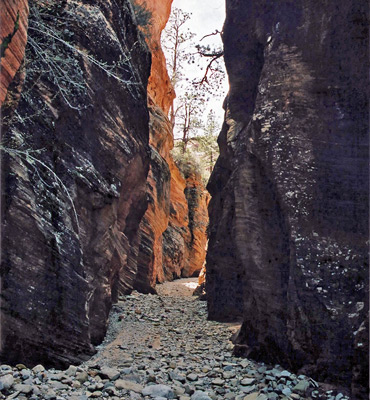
(179, 288)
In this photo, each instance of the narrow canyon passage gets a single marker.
(100, 208)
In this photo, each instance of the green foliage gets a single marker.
(188, 116)
(199, 154)
(144, 17)
(187, 162)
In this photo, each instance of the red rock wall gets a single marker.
(169, 248)
(197, 198)
(86, 186)
(159, 87)
(13, 31)
(185, 239)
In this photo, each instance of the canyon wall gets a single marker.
(74, 169)
(289, 211)
(170, 246)
(13, 38)
(93, 205)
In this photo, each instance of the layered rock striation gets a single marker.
(171, 245)
(185, 239)
(13, 38)
(75, 163)
(92, 202)
(289, 211)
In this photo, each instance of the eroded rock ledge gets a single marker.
(289, 209)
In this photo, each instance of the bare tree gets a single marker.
(176, 38)
(189, 116)
(186, 113)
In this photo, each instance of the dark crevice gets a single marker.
(7, 40)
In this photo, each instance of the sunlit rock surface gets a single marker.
(160, 88)
(74, 181)
(185, 239)
(197, 198)
(172, 245)
(13, 38)
(289, 210)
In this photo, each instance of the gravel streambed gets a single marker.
(163, 347)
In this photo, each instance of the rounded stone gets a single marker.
(200, 395)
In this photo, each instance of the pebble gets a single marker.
(82, 377)
(169, 350)
(109, 373)
(128, 385)
(7, 381)
(71, 371)
(247, 381)
(252, 396)
(23, 388)
(199, 395)
(38, 368)
(286, 391)
(192, 377)
(158, 391)
(301, 387)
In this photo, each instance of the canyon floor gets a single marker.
(163, 347)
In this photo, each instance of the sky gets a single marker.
(207, 17)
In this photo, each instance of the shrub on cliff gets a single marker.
(187, 162)
(144, 18)
(198, 158)
(198, 154)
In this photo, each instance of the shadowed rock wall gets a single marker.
(289, 210)
(89, 187)
(74, 179)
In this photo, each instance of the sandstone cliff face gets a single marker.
(155, 221)
(185, 239)
(93, 204)
(74, 180)
(159, 87)
(170, 246)
(197, 198)
(288, 215)
(13, 38)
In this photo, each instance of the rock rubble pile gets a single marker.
(160, 347)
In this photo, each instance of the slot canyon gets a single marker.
(104, 238)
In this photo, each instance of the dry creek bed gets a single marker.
(163, 347)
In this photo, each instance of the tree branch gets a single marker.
(216, 32)
(209, 68)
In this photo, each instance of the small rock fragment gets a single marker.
(158, 391)
(199, 395)
(128, 385)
